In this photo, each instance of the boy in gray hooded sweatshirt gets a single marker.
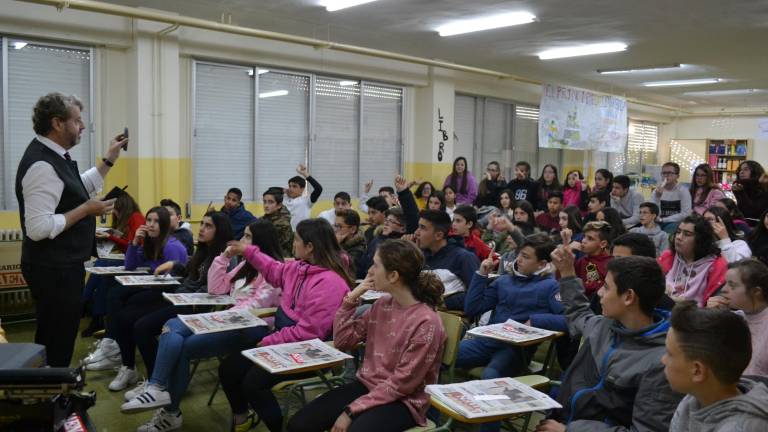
(706, 352)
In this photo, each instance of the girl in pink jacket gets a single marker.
(313, 288)
(178, 345)
(404, 344)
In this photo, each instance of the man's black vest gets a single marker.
(75, 244)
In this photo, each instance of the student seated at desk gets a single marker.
(616, 382)
(313, 288)
(179, 345)
(529, 294)
(404, 342)
(707, 351)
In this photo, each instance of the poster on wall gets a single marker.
(576, 119)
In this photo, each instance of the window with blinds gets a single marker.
(257, 125)
(642, 145)
(502, 131)
(32, 70)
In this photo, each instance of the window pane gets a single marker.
(337, 122)
(380, 149)
(283, 128)
(222, 153)
(464, 126)
(33, 71)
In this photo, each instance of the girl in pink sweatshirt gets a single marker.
(313, 287)
(179, 345)
(404, 339)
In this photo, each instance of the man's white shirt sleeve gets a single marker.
(42, 189)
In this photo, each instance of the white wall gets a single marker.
(735, 127)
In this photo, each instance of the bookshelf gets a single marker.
(724, 156)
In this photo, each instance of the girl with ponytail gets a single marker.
(404, 343)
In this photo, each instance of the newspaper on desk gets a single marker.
(226, 320)
(148, 280)
(491, 397)
(116, 270)
(295, 355)
(106, 248)
(511, 331)
(199, 299)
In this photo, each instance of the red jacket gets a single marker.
(474, 243)
(134, 222)
(592, 270)
(715, 277)
(547, 223)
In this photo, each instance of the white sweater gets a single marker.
(734, 251)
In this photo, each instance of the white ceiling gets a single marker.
(725, 39)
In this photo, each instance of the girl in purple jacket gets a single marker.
(314, 286)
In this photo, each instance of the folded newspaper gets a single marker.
(185, 299)
(106, 248)
(511, 331)
(491, 397)
(295, 355)
(116, 270)
(226, 320)
(372, 295)
(147, 280)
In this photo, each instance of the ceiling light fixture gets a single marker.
(273, 94)
(334, 5)
(347, 83)
(639, 69)
(682, 82)
(19, 45)
(582, 50)
(734, 92)
(486, 23)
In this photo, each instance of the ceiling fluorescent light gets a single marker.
(334, 5)
(682, 82)
(273, 94)
(582, 50)
(639, 69)
(19, 45)
(734, 92)
(487, 23)
(347, 83)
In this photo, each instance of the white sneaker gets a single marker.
(103, 349)
(153, 397)
(124, 378)
(162, 421)
(140, 388)
(106, 363)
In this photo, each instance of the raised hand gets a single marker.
(401, 183)
(302, 170)
(368, 186)
(563, 260)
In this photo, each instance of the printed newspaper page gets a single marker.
(295, 355)
(105, 248)
(511, 331)
(116, 270)
(187, 299)
(213, 322)
(148, 280)
(491, 397)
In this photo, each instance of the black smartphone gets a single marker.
(125, 135)
(114, 193)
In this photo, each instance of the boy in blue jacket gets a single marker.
(529, 293)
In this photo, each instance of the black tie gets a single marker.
(67, 156)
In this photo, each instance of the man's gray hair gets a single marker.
(53, 105)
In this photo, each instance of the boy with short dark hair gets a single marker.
(184, 235)
(648, 213)
(275, 212)
(707, 351)
(625, 201)
(598, 200)
(549, 221)
(376, 207)
(529, 294)
(616, 382)
(453, 264)
(341, 201)
(235, 210)
(297, 202)
(523, 187)
(465, 225)
(592, 267)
